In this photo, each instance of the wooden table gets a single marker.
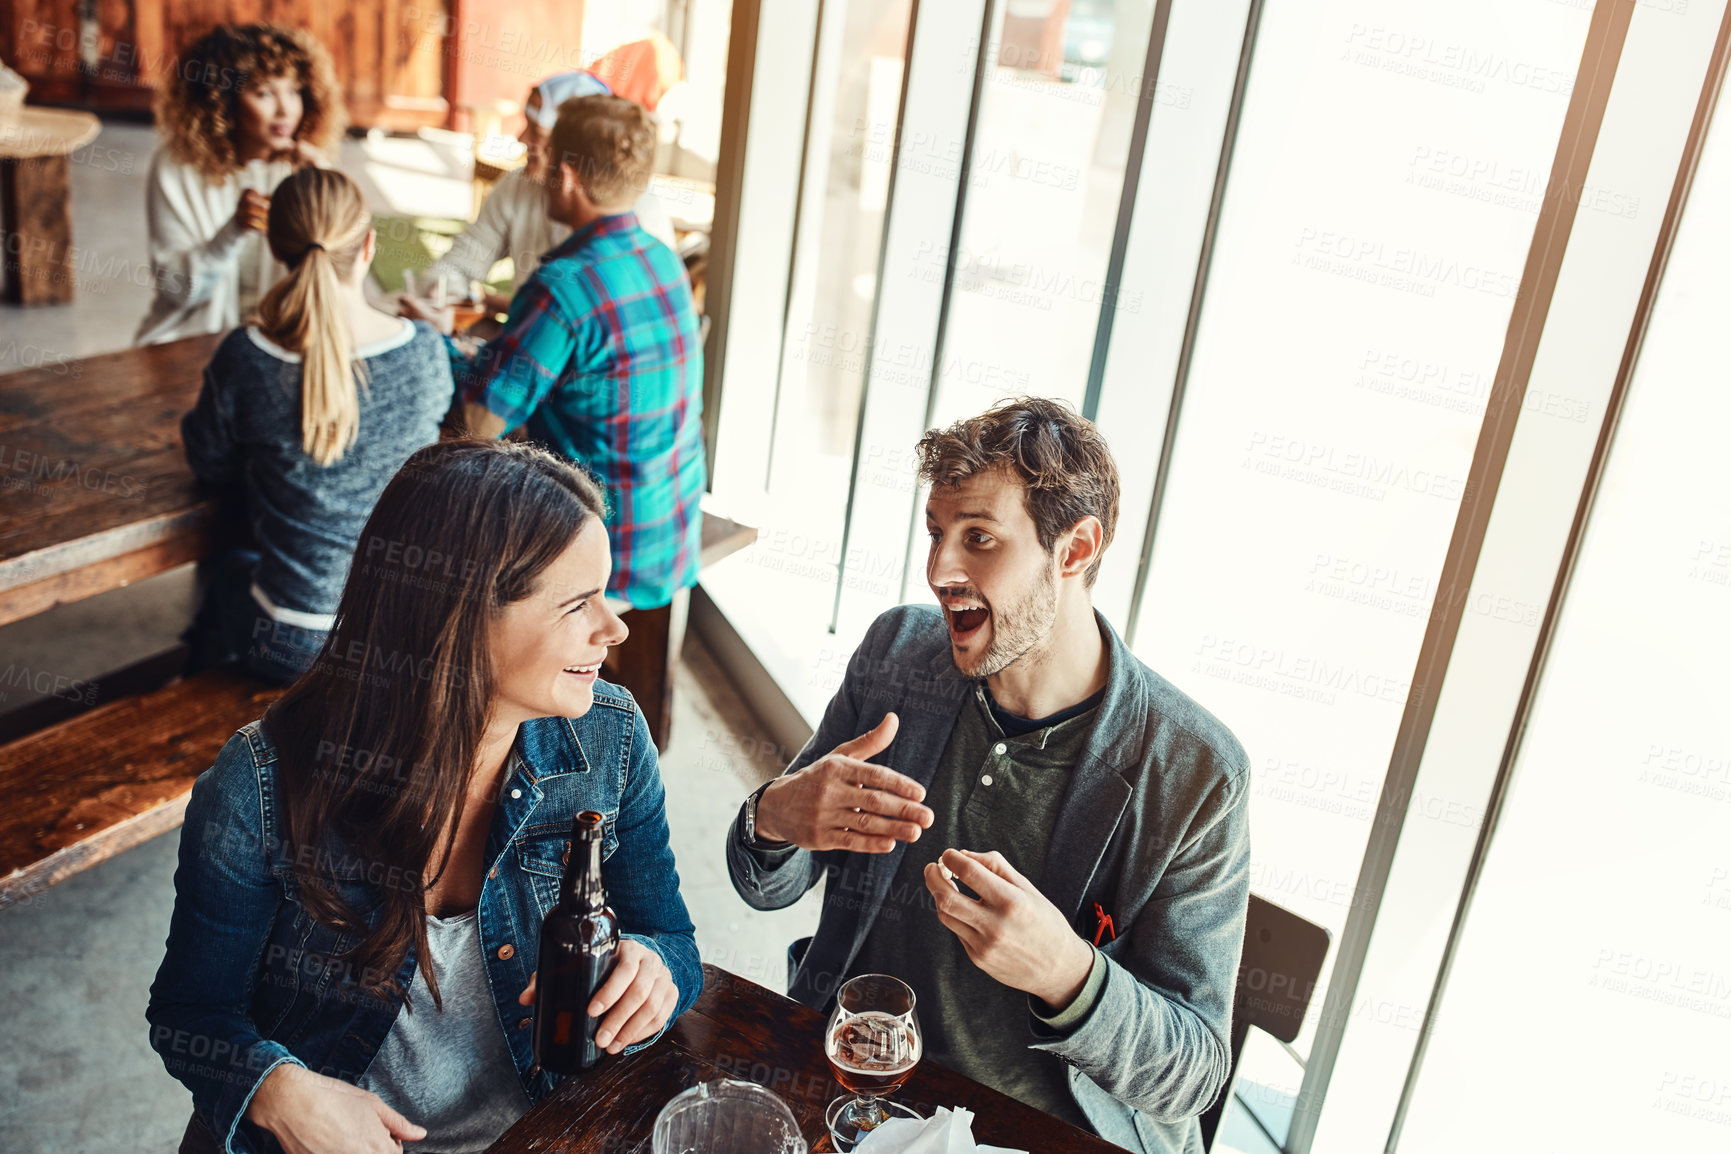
(740, 1030)
(36, 200)
(94, 490)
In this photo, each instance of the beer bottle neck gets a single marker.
(582, 886)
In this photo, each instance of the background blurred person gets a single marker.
(513, 221)
(642, 69)
(244, 107)
(310, 411)
(601, 358)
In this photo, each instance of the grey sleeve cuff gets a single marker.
(767, 854)
(1078, 1010)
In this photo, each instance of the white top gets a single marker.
(396, 340)
(514, 223)
(208, 272)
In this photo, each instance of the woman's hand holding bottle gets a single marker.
(637, 998)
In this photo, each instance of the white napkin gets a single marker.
(946, 1132)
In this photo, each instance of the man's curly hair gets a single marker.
(1060, 458)
(197, 106)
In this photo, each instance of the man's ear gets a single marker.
(1079, 547)
(571, 184)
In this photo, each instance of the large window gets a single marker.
(1603, 912)
(1279, 251)
(1355, 313)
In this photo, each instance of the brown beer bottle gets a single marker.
(579, 944)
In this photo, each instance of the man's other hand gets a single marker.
(1013, 932)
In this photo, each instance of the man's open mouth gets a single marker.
(964, 620)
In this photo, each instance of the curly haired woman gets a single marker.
(239, 94)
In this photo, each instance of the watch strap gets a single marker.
(752, 840)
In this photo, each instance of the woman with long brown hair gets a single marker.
(243, 107)
(364, 872)
(310, 410)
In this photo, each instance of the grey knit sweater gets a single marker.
(306, 518)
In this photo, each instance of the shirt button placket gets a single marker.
(1001, 750)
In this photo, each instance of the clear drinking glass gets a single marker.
(873, 1044)
(727, 1117)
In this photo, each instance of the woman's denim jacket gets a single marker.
(251, 981)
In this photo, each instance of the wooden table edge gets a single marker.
(155, 545)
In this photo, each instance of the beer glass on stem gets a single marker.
(873, 1044)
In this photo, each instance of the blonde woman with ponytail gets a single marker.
(310, 410)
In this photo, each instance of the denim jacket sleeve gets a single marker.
(225, 904)
(644, 892)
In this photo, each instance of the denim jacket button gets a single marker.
(524, 1023)
(534, 1071)
(507, 952)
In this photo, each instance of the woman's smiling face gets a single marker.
(270, 113)
(546, 650)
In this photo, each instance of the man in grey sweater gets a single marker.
(1092, 817)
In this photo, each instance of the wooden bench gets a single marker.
(79, 792)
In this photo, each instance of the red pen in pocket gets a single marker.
(1104, 928)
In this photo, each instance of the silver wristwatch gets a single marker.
(751, 838)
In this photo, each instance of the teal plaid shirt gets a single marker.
(602, 361)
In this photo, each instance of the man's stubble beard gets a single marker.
(1019, 629)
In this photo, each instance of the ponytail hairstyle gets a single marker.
(318, 228)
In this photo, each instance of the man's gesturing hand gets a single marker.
(843, 801)
(1013, 932)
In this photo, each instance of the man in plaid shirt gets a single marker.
(601, 358)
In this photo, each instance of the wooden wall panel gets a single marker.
(389, 54)
(499, 51)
